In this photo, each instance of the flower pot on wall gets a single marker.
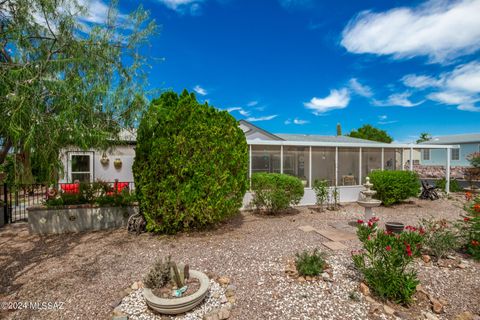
(117, 163)
(104, 160)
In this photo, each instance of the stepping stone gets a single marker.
(334, 245)
(336, 235)
(307, 228)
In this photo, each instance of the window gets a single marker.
(456, 154)
(425, 154)
(348, 166)
(323, 164)
(266, 159)
(295, 162)
(371, 160)
(80, 167)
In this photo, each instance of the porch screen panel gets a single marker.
(295, 162)
(265, 159)
(389, 159)
(323, 164)
(371, 160)
(348, 166)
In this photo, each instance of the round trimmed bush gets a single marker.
(394, 186)
(191, 164)
(275, 192)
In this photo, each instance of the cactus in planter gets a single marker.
(165, 270)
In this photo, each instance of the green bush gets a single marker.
(470, 228)
(394, 186)
(440, 237)
(454, 186)
(274, 192)
(321, 192)
(191, 164)
(310, 264)
(386, 260)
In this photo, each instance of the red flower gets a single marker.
(466, 219)
(408, 249)
(359, 221)
(476, 207)
(468, 196)
(475, 243)
(388, 248)
(421, 231)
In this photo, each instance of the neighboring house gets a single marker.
(467, 144)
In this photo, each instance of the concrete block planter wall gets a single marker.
(44, 220)
(179, 305)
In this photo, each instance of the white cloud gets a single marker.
(383, 117)
(252, 103)
(176, 4)
(97, 12)
(468, 107)
(244, 112)
(300, 122)
(398, 100)
(358, 88)
(200, 90)
(460, 87)
(233, 109)
(419, 82)
(265, 118)
(288, 121)
(439, 30)
(337, 99)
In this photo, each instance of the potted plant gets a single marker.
(117, 163)
(104, 160)
(174, 289)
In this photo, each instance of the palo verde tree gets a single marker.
(369, 132)
(191, 164)
(70, 74)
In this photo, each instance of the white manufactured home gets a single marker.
(343, 161)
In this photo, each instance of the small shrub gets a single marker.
(386, 260)
(310, 264)
(440, 237)
(454, 186)
(321, 192)
(159, 275)
(275, 192)
(394, 186)
(470, 228)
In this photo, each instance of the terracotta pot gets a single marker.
(395, 227)
(179, 305)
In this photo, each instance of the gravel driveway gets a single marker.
(87, 271)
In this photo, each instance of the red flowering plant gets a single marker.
(441, 237)
(470, 226)
(386, 260)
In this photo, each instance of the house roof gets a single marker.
(455, 139)
(318, 138)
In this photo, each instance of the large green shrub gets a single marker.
(274, 192)
(394, 186)
(191, 164)
(442, 184)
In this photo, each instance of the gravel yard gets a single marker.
(89, 271)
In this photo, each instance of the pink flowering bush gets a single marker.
(470, 227)
(386, 259)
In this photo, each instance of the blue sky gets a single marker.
(301, 66)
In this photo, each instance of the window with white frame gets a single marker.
(426, 154)
(80, 167)
(455, 154)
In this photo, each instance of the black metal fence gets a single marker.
(17, 198)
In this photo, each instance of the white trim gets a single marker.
(281, 159)
(71, 154)
(336, 167)
(360, 166)
(310, 167)
(447, 171)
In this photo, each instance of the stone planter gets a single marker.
(179, 305)
(395, 227)
(77, 218)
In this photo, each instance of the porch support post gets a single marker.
(250, 164)
(310, 167)
(336, 166)
(447, 171)
(383, 159)
(281, 159)
(360, 167)
(411, 158)
(403, 160)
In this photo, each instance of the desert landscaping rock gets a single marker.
(88, 270)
